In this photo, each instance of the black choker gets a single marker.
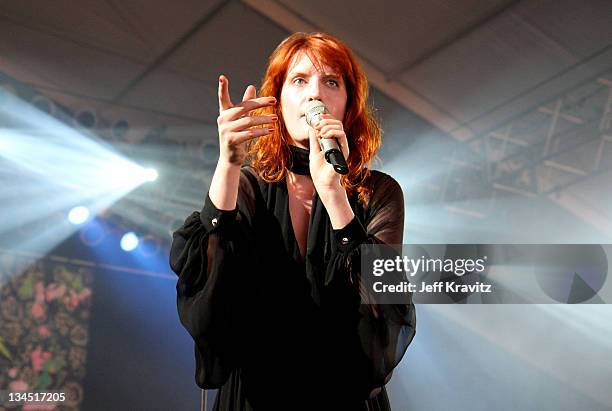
(299, 163)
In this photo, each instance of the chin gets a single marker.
(301, 141)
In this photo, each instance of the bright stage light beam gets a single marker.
(150, 174)
(129, 242)
(78, 215)
(49, 169)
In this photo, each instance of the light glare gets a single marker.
(78, 215)
(150, 174)
(129, 241)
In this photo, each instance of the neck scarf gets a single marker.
(299, 161)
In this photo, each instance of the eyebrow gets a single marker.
(325, 76)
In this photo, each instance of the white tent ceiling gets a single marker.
(451, 62)
(465, 67)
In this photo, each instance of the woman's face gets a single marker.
(304, 83)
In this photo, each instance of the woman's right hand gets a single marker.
(236, 125)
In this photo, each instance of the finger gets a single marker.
(326, 117)
(242, 136)
(224, 98)
(331, 134)
(249, 93)
(243, 108)
(329, 127)
(250, 121)
(344, 145)
(340, 137)
(313, 140)
(257, 102)
(328, 122)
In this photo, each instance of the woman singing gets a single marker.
(269, 269)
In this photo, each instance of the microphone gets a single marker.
(313, 111)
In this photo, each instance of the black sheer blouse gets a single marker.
(274, 330)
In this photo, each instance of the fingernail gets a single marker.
(272, 99)
(270, 129)
(274, 118)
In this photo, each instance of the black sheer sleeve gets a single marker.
(206, 254)
(383, 331)
(216, 252)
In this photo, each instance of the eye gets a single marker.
(333, 83)
(298, 81)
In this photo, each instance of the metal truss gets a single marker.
(543, 152)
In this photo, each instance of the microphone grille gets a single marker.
(312, 110)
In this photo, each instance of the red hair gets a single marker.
(269, 155)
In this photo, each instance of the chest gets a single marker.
(300, 191)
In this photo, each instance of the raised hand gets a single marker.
(236, 125)
(324, 177)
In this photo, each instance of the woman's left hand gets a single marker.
(326, 180)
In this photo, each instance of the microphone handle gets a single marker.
(336, 159)
(333, 155)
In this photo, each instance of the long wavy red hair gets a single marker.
(269, 155)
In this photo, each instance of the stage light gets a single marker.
(43, 104)
(120, 129)
(121, 173)
(78, 215)
(129, 241)
(85, 119)
(53, 168)
(150, 174)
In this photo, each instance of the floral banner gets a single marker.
(44, 319)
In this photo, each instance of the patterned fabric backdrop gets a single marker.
(44, 319)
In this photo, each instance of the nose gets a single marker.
(314, 91)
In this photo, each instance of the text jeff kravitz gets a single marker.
(436, 287)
